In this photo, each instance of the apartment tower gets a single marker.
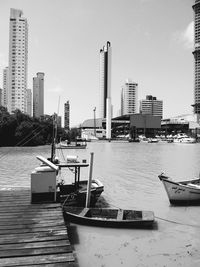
(129, 98)
(151, 106)
(18, 54)
(38, 95)
(66, 115)
(5, 87)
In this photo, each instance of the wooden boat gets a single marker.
(182, 193)
(105, 217)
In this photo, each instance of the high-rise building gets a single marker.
(151, 106)
(29, 102)
(18, 54)
(66, 115)
(129, 98)
(38, 95)
(5, 87)
(105, 78)
(196, 53)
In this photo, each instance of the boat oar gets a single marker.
(89, 181)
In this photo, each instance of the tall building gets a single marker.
(66, 115)
(29, 102)
(196, 53)
(129, 98)
(151, 106)
(105, 78)
(5, 87)
(38, 95)
(18, 54)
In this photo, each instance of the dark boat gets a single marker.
(105, 217)
(72, 193)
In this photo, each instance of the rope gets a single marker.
(179, 223)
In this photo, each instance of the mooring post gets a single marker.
(89, 181)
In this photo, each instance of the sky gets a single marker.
(152, 44)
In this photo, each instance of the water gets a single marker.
(129, 172)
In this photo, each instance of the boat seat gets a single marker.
(84, 212)
(120, 215)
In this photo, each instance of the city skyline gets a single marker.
(147, 47)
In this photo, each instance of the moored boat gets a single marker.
(182, 193)
(78, 144)
(67, 193)
(105, 217)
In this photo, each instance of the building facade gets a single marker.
(29, 102)
(151, 106)
(18, 55)
(105, 79)
(196, 53)
(129, 98)
(5, 87)
(66, 115)
(38, 95)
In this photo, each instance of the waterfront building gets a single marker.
(18, 55)
(129, 98)
(5, 87)
(66, 115)
(151, 106)
(38, 95)
(29, 102)
(105, 78)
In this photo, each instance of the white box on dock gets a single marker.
(43, 185)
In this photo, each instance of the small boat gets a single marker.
(78, 144)
(184, 139)
(106, 217)
(182, 193)
(153, 140)
(71, 193)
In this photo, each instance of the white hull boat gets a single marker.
(182, 193)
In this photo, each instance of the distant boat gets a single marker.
(183, 138)
(77, 144)
(153, 140)
(182, 193)
(106, 217)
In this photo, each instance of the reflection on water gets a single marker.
(129, 172)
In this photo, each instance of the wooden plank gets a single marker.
(27, 261)
(34, 225)
(34, 251)
(31, 230)
(29, 239)
(41, 244)
(28, 221)
(26, 216)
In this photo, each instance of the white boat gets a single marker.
(183, 138)
(182, 193)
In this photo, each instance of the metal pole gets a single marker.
(94, 122)
(89, 181)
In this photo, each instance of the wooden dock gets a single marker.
(32, 234)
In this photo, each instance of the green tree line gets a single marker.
(19, 129)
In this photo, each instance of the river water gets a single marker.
(129, 172)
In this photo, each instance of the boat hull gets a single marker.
(182, 193)
(101, 217)
(71, 196)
